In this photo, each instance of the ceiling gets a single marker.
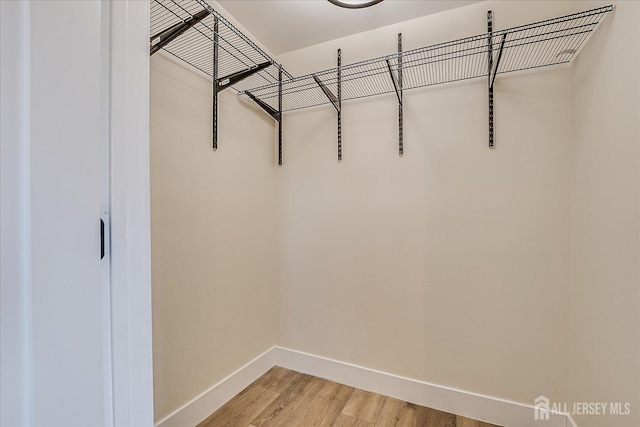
(287, 25)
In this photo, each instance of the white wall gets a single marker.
(213, 235)
(605, 291)
(455, 264)
(449, 264)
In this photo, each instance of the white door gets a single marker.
(69, 118)
(56, 316)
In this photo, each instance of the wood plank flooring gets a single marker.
(285, 398)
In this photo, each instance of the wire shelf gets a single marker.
(551, 42)
(195, 47)
(198, 35)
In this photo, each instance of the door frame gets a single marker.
(130, 224)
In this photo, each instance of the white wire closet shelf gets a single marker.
(195, 46)
(192, 31)
(550, 42)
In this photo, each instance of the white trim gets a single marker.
(130, 217)
(209, 401)
(491, 409)
(472, 405)
(105, 263)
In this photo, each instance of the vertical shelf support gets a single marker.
(276, 114)
(339, 105)
(400, 105)
(335, 101)
(279, 117)
(397, 84)
(215, 83)
(489, 71)
(492, 71)
(220, 84)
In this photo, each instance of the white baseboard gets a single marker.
(208, 402)
(472, 405)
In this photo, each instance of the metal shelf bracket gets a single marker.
(275, 114)
(490, 69)
(165, 37)
(280, 115)
(223, 83)
(339, 105)
(327, 92)
(397, 85)
(238, 76)
(216, 57)
(497, 64)
(336, 101)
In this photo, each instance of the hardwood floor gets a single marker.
(290, 399)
